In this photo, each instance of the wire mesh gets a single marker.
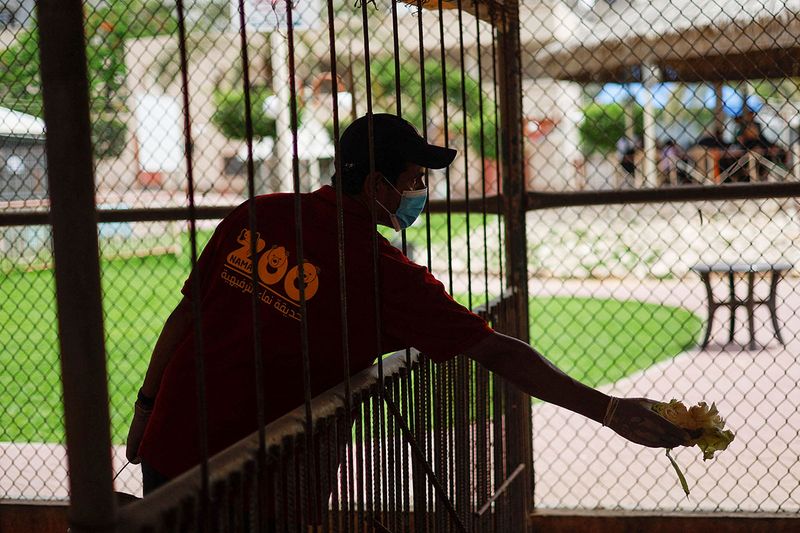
(626, 312)
(648, 95)
(616, 95)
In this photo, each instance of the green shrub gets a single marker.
(229, 115)
(604, 124)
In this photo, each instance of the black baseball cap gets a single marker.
(391, 135)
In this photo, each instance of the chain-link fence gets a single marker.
(615, 96)
(628, 279)
(639, 95)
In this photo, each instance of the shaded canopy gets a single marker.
(689, 40)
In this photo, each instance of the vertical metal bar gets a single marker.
(281, 488)
(65, 90)
(390, 463)
(433, 499)
(732, 305)
(309, 464)
(418, 455)
(460, 422)
(465, 127)
(439, 428)
(322, 447)
(446, 128)
(512, 164)
(368, 459)
(258, 365)
(335, 468)
(398, 99)
(416, 388)
(482, 151)
(463, 479)
(200, 379)
(392, 434)
(375, 254)
(495, 83)
(246, 507)
(306, 509)
(347, 475)
(405, 506)
(378, 433)
(344, 433)
(216, 507)
(472, 453)
(490, 437)
(482, 443)
(360, 474)
(399, 467)
(453, 413)
(498, 447)
(236, 494)
(292, 489)
(518, 413)
(418, 407)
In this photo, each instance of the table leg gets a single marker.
(732, 288)
(750, 307)
(771, 304)
(705, 276)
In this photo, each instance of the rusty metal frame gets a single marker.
(174, 214)
(74, 217)
(519, 431)
(75, 249)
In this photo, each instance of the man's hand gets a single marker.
(636, 421)
(136, 432)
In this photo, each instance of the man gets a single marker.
(415, 311)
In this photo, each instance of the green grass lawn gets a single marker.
(594, 340)
(601, 341)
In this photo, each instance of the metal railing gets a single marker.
(439, 461)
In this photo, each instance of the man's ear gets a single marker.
(373, 181)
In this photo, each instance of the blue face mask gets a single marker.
(411, 205)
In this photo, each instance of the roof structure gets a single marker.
(689, 40)
(490, 11)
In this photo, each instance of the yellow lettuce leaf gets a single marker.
(714, 436)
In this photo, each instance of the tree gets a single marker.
(384, 94)
(604, 124)
(108, 26)
(229, 115)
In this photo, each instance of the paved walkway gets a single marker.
(579, 464)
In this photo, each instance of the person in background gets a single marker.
(712, 138)
(670, 163)
(626, 153)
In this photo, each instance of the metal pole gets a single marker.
(719, 117)
(650, 77)
(518, 405)
(510, 92)
(77, 272)
(279, 53)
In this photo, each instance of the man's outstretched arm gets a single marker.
(523, 366)
(173, 332)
